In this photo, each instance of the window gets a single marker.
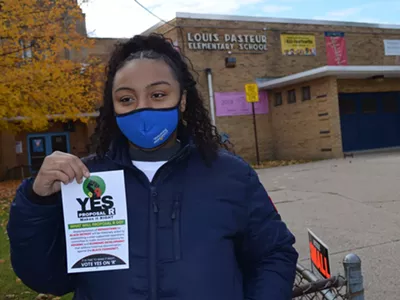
(278, 99)
(369, 105)
(292, 96)
(306, 92)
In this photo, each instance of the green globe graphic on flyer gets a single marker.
(94, 187)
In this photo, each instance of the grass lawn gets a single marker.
(10, 286)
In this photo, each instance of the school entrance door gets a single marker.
(370, 120)
(41, 145)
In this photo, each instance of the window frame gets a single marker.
(276, 102)
(291, 96)
(306, 93)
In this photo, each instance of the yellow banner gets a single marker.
(298, 44)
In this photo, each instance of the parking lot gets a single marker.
(353, 205)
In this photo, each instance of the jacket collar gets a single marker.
(119, 148)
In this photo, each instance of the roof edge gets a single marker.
(152, 28)
(327, 71)
(185, 15)
(158, 25)
(52, 117)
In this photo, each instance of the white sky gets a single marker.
(125, 18)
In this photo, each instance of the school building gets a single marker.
(325, 88)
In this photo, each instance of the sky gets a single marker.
(125, 18)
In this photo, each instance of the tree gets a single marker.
(45, 70)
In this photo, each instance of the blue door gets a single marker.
(370, 120)
(41, 145)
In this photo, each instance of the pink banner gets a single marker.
(234, 104)
(336, 49)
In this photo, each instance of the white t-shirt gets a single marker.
(149, 167)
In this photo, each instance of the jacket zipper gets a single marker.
(153, 211)
(175, 216)
(153, 244)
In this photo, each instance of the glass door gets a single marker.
(41, 145)
(37, 152)
(59, 143)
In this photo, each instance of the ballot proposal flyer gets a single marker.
(96, 225)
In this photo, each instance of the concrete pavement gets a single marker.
(353, 205)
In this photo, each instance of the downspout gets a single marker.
(211, 95)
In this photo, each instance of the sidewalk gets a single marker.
(353, 205)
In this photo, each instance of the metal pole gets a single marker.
(352, 269)
(255, 132)
(211, 95)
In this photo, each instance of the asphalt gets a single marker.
(353, 205)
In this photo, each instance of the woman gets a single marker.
(201, 225)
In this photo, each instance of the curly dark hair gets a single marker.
(195, 120)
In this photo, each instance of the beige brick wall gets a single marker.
(364, 47)
(368, 85)
(307, 129)
(334, 120)
(103, 47)
(249, 66)
(170, 31)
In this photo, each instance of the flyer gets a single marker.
(96, 223)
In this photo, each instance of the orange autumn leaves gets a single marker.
(45, 66)
(8, 188)
(279, 163)
(7, 193)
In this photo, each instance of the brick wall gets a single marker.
(103, 47)
(170, 31)
(364, 45)
(302, 129)
(7, 152)
(239, 128)
(307, 129)
(368, 85)
(77, 140)
(8, 158)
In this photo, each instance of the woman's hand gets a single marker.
(56, 168)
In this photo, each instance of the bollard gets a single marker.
(352, 269)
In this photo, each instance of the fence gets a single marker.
(349, 287)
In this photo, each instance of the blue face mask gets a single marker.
(149, 128)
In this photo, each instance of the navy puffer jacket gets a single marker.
(195, 233)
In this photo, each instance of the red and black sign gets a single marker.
(319, 256)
